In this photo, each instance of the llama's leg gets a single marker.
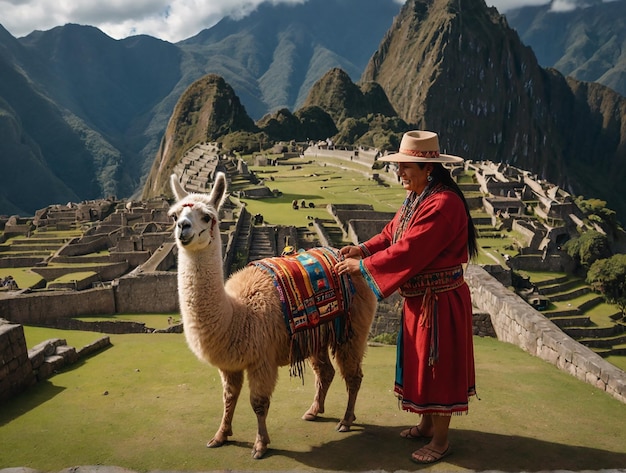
(349, 360)
(262, 381)
(324, 374)
(232, 381)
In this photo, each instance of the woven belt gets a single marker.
(429, 285)
(439, 280)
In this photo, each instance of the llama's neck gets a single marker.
(201, 286)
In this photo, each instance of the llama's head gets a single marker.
(196, 215)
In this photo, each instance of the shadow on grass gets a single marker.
(31, 398)
(40, 392)
(372, 447)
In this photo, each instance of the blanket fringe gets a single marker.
(311, 341)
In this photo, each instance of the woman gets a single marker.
(421, 253)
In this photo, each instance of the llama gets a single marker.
(238, 325)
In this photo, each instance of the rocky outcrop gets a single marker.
(457, 68)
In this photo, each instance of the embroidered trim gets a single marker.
(420, 153)
(364, 250)
(371, 282)
(411, 204)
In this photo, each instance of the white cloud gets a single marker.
(504, 5)
(171, 20)
(569, 5)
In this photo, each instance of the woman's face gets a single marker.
(413, 177)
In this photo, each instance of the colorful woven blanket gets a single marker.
(316, 300)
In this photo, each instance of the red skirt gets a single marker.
(445, 386)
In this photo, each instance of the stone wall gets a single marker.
(21, 368)
(42, 308)
(138, 293)
(558, 263)
(512, 319)
(516, 322)
(147, 292)
(16, 371)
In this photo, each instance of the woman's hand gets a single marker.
(350, 264)
(351, 251)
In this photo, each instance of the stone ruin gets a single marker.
(128, 250)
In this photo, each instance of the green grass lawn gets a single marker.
(24, 277)
(321, 185)
(147, 403)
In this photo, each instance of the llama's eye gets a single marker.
(207, 218)
(174, 217)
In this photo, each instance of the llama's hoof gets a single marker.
(341, 427)
(214, 443)
(346, 424)
(258, 453)
(309, 416)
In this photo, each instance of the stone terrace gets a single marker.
(127, 250)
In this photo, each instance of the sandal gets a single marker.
(414, 433)
(427, 455)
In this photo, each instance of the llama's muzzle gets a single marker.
(184, 231)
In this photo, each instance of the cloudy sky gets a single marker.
(171, 20)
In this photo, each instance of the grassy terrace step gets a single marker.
(574, 321)
(75, 281)
(543, 277)
(555, 281)
(572, 299)
(604, 342)
(35, 246)
(53, 271)
(582, 334)
(40, 239)
(560, 285)
(82, 259)
(574, 293)
(30, 253)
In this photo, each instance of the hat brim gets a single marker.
(407, 158)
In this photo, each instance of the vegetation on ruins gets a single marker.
(609, 277)
(598, 211)
(589, 247)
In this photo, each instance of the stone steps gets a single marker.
(262, 244)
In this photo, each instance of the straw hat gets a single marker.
(420, 147)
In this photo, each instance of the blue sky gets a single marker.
(170, 20)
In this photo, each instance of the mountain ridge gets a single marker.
(112, 129)
(587, 42)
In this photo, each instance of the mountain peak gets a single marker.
(341, 98)
(208, 109)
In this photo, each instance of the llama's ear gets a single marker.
(218, 192)
(177, 188)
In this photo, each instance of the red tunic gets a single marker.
(434, 239)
